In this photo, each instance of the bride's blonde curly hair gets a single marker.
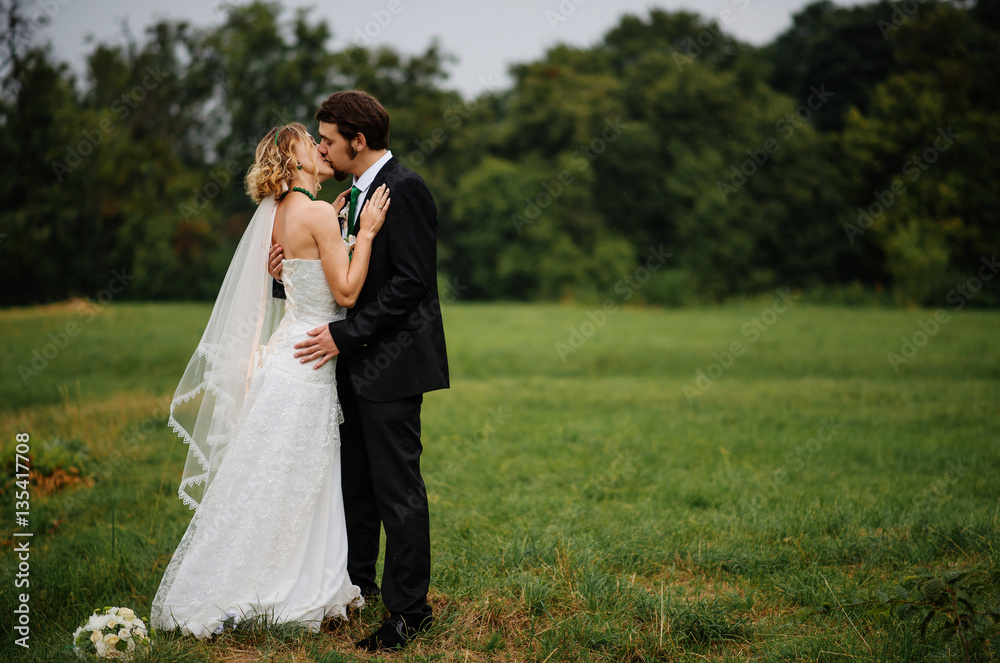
(274, 165)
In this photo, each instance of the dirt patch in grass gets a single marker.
(74, 305)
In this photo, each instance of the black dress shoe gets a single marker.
(392, 634)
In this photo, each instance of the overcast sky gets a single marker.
(485, 36)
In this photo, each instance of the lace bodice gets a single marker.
(308, 304)
(308, 296)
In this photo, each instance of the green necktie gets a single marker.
(355, 192)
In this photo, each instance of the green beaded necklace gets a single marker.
(305, 191)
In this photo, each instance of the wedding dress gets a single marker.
(269, 538)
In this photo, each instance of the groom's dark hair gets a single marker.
(356, 112)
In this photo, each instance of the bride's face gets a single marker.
(307, 153)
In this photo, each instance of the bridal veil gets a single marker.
(208, 399)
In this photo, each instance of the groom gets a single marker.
(393, 351)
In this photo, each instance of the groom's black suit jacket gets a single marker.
(393, 338)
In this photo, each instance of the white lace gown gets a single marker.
(269, 537)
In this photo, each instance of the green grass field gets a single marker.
(610, 504)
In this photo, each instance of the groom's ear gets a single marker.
(359, 142)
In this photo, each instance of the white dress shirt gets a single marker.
(365, 181)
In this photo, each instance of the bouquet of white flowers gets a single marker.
(112, 633)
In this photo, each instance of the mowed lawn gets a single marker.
(639, 485)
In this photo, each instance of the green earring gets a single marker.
(300, 166)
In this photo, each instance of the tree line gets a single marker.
(854, 157)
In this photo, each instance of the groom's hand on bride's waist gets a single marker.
(319, 345)
(274, 262)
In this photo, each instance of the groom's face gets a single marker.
(307, 153)
(336, 149)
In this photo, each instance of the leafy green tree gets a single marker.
(859, 146)
(94, 179)
(924, 157)
(844, 48)
(39, 228)
(528, 230)
(715, 163)
(684, 36)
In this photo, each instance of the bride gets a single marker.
(268, 538)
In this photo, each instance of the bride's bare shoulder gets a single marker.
(313, 212)
(320, 209)
(318, 216)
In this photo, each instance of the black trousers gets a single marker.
(380, 462)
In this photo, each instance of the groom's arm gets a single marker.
(412, 237)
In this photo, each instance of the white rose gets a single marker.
(111, 640)
(95, 636)
(127, 613)
(124, 634)
(100, 647)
